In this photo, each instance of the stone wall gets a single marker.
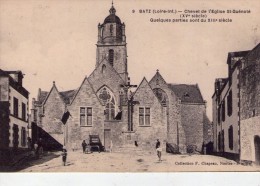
(119, 58)
(108, 77)
(85, 97)
(250, 86)
(207, 129)
(173, 113)
(118, 128)
(147, 135)
(52, 111)
(192, 120)
(249, 129)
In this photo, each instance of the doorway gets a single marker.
(107, 138)
(257, 150)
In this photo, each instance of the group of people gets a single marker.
(36, 147)
(85, 148)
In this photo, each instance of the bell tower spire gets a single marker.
(112, 9)
(111, 44)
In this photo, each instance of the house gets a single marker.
(236, 108)
(13, 115)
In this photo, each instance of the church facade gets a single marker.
(106, 105)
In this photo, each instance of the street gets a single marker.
(130, 162)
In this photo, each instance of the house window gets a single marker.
(230, 137)
(147, 116)
(141, 116)
(15, 136)
(219, 141)
(23, 111)
(144, 116)
(85, 116)
(111, 56)
(15, 107)
(23, 137)
(89, 116)
(223, 111)
(229, 103)
(219, 107)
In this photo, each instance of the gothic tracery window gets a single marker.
(108, 99)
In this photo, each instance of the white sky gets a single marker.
(55, 41)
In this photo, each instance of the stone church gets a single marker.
(106, 104)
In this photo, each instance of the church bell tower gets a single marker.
(111, 44)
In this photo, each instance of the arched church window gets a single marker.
(111, 56)
(103, 68)
(108, 99)
(161, 95)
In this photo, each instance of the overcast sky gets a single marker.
(55, 41)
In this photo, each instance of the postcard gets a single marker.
(129, 86)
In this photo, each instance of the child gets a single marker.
(159, 149)
(64, 156)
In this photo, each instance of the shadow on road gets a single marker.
(31, 161)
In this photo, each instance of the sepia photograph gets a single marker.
(116, 86)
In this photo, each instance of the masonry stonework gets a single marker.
(157, 129)
(250, 128)
(116, 105)
(193, 124)
(85, 97)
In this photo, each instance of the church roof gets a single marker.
(42, 96)
(68, 95)
(187, 93)
(112, 18)
(65, 95)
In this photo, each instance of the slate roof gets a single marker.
(236, 54)
(42, 96)
(187, 93)
(68, 95)
(65, 95)
(16, 85)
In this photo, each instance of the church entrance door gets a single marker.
(107, 137)
(257, 150)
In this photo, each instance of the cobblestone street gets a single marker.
(131, 162)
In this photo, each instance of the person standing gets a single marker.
(84, 145)
(36, 150)
(64, 156)
(111, 146)
(158, 149)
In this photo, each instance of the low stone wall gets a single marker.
(249, 129)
